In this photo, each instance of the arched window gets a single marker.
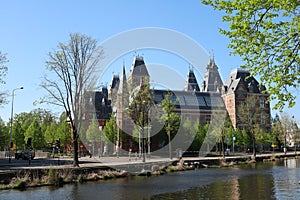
(262, 102)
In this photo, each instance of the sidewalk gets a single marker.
(115, 162)
(84, 162)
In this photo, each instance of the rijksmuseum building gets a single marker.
(194, 101)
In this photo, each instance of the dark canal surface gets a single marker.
(261, 181)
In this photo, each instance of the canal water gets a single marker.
(261, 181)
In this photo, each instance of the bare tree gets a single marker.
(3, 71)
(252, 118)
(288, 129)
(73, 66)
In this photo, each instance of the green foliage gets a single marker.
(171, 118)
(260, 135)
(21, 123)
(34, 131)
(4, 135)
(20, 184)
(38, 124)
(93, 133)
(250, 116)
(265, 34)
(139, 111)
(50, 134)
(32, 124)
(140, 106)
(197, 132)
(190, 128)
(64, 130)
(18, 134)
(245, 138)
(136, 133)
(110, 130)
(277, 131)
(201, 132)
(46, 119)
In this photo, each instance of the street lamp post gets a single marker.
(143, 135)
(11, 121)
(118, 139)
(149, 129)
(284, 144)
(149, 142)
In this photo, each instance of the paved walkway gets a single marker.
(67, 162)
(113, 162)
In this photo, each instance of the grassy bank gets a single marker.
(57, 177)
(24, 178)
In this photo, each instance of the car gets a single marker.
(24, 155)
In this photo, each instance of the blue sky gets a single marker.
(30, 29)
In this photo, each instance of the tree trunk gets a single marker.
(253, 146)
(223, 150)
(75, 147)
(170, 147)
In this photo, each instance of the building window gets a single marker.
(263, 118)
(262, 102)
(251, 104)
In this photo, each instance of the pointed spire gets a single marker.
(212, 63)
(191, 83)
(138, 71)
(212, 79)
(124, 73)
(123, 82)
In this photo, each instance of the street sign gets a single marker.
(227, 140)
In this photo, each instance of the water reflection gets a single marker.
(286, 179)
(261, 181)
(270, 181)
(250, 187)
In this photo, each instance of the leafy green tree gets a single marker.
(18, 135)
(45, 118)
(138, 111)
(227, 132)
(277, 133)
(244, 139)
(171, 118)
(201, 132)
(4, 135)
(190, 129)
(230, 133)
(51, 133)
(34, 131)
(262, 137)
(110, 130)
(3, 72)
(93, 133)
(64, 130)
(197, 131)
(21, 123)
(265, 34)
